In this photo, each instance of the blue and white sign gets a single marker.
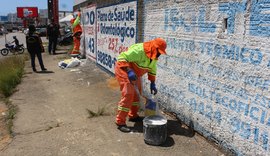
(116, 31)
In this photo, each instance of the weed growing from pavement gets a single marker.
(11, 72)
(10, 114)
(100, 112)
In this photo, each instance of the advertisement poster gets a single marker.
(27, 12)
(116, 31)
(89, 32)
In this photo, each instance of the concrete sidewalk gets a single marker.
(52, 118)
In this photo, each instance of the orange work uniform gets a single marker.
(77, 31)
(142, 59)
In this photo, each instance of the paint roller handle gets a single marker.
(153, 88)
(142, 107)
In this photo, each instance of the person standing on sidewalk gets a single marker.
(141, 58)
(53, 33)
(35, 47)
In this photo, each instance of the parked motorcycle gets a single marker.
(12, 48)
(67, 39)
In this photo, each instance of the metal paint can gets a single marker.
(155, 130)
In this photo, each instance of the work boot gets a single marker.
(137, 119)
(124, 128)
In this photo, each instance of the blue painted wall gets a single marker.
(216, 73)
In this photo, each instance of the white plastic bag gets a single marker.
(69, 63)
(73, 63)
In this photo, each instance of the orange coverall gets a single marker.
(142, 59)
(77, 31)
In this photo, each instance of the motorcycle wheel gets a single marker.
(4, 52)
(20, 50)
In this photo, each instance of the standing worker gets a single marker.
(77, 31)
(53, 33)
(131, 65)
(35, 47)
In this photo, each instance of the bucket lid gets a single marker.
(154, 120)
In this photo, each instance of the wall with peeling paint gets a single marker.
(216, 73)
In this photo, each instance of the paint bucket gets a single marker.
(155, 130)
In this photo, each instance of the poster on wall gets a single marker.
(88, 41)
(116, 31)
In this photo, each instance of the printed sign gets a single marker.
(89, 31)
(23, 12)
(116, 31)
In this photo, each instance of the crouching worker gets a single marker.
(141, 58)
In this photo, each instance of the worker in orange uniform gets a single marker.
(141, 58)
(77, 31)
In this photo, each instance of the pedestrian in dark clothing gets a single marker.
(16, 41)
(35, 47)
(53, 33)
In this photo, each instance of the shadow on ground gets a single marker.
(45, 72)
(60, 53)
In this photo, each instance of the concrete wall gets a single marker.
(216, 73)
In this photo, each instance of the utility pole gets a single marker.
(53, 10)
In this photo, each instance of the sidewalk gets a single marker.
(52, 118)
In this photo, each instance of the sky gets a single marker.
(10, 6)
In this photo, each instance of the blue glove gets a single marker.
(153, 88)
(131, 75)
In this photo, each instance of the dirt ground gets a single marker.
(52, 118)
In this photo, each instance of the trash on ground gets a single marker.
(69, 63)
(74, 70)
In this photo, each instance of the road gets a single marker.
(9, 38)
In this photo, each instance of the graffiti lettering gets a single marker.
(245, 130)
(260, 18)
(257, 82)
(231, 9)
(175, 19)
(206, 110)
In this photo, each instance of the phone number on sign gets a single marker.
(106, 59)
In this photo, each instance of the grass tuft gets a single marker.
(11, 72)
(12, 109)
(100, 112)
